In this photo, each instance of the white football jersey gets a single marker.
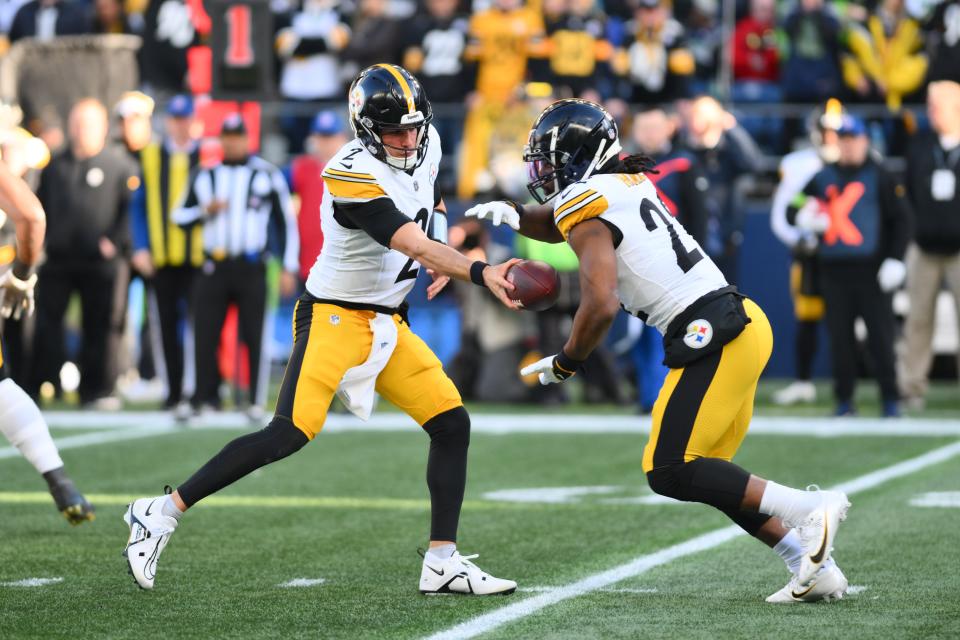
(661, 270)
(353, 267)
(796, 170)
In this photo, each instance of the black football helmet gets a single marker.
(569, 141)
(386, 97)
(826, 117)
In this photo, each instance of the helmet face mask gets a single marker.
(542, 180)
(570, 140)
(386, 99)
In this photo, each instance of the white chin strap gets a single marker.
(402, 163)
(601, 157)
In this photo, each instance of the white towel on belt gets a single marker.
(357, 388)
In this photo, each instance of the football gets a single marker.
(537, 284)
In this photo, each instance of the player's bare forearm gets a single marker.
(411, 241)
(593, 244)
(537, 223)
(24, 209)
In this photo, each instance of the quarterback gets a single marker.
(634, 255)
(20, 419)
(381, 219)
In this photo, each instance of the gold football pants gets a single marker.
(704, 409)
(330, 339)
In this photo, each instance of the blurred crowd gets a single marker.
(164, 212)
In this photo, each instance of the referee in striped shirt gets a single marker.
(245, 209)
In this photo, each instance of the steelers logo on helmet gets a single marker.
(356, 100)
(386, 99)
(570, 140)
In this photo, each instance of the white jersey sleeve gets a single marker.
(796, 170)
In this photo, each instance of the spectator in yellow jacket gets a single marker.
(885, 60)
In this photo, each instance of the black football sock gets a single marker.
(806, 345)
(749, 521)
(447, 470)
(247, 453)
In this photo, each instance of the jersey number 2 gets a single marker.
(409, 272)
(685, 259)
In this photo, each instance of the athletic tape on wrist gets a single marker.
(566, 364)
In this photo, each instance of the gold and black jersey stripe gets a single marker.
(583, 206)
(348, 186)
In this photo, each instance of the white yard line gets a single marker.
(302, 582)
(947, 499)
(505, 424)
(529, 606)
(98, 437)
(32, 582)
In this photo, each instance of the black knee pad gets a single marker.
(708, 480)
(665, 481)
(281, 438)
(450, 427)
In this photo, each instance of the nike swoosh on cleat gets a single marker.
(147, 512)
(439, 573)
(818, 556)
(802, 593)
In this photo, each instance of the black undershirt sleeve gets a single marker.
(437, 196)
(379, 218)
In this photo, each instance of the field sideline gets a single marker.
(322, 545)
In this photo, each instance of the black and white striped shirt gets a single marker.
(258, 209)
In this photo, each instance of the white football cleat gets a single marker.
(796, 392)
(817, 532)
(828, 584)
(150, 532)
(457, 574)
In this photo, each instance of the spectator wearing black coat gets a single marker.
(86, 193)
(46, 19)
(932, 179)
(725, 152)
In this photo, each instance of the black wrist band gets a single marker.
(22, 271)
(517, 206)
(566, 363)
(476, 273)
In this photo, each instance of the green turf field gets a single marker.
(350, 510)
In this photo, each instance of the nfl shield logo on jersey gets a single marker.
(334, 319)
(699, 333)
